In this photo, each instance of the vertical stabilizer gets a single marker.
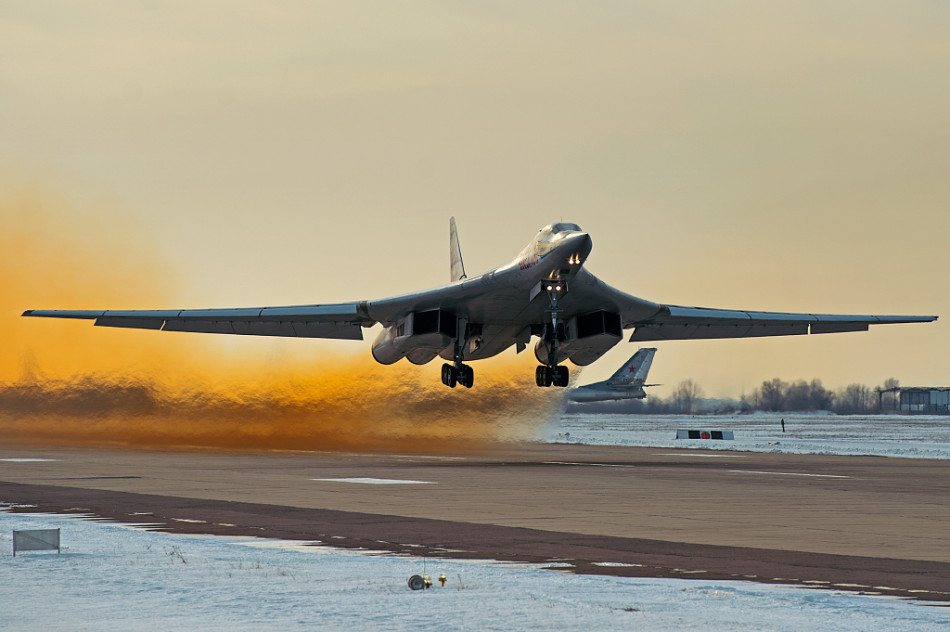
(635, 370)
(455, 253)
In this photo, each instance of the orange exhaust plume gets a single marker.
(358, 407)
(66, 382)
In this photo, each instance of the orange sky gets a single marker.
(784, 156)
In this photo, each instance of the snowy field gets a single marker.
(879, 435)
(113, 577)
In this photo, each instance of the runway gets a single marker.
(868, 524)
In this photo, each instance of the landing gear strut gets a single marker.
(458, 373)
(552, 374)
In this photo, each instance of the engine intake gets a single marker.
(418, 336)
(586, 337)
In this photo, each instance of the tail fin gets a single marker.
(635, 370)
(455, 253)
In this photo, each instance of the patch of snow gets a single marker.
(112, 577)
(924, 437)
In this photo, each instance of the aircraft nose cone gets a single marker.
(579, 243)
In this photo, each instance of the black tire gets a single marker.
(548, 376)
(416, 582)
(449, 375)
(562, 377)
(467, 376)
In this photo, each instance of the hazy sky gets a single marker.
(778, 156)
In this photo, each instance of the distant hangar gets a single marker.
(925, 400)
(933, 400)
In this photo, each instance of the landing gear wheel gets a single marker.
(466, 376)
(543, 376)
(449, 375)
(551, 375)
(561, 376)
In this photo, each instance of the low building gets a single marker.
(924, 400)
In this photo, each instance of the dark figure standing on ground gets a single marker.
(783, 424)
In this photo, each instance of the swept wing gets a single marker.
(674, 322)
(655, 321)
(340, 321)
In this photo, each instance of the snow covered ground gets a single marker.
(113, 577)
(879, 435)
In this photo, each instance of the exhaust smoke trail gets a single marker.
(65, 382)
(353, 406)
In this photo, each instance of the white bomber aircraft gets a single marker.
(626, 383)
(545, 292)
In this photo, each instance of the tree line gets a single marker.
(854, 399)
(775, 395)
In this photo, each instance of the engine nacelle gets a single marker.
(419, 336)
(587, 337)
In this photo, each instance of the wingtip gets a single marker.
(28, 312)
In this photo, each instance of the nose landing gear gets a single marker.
(553, 374)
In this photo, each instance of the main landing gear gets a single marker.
(452, 375)
(458, 373)
(553, 374)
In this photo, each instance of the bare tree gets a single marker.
(822, 398)
(686, 395)
(855, 399)
(773, 394)
(798, 396)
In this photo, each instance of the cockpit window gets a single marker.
(563, 226)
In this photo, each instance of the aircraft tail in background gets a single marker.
(635, 370)
(626, 383)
